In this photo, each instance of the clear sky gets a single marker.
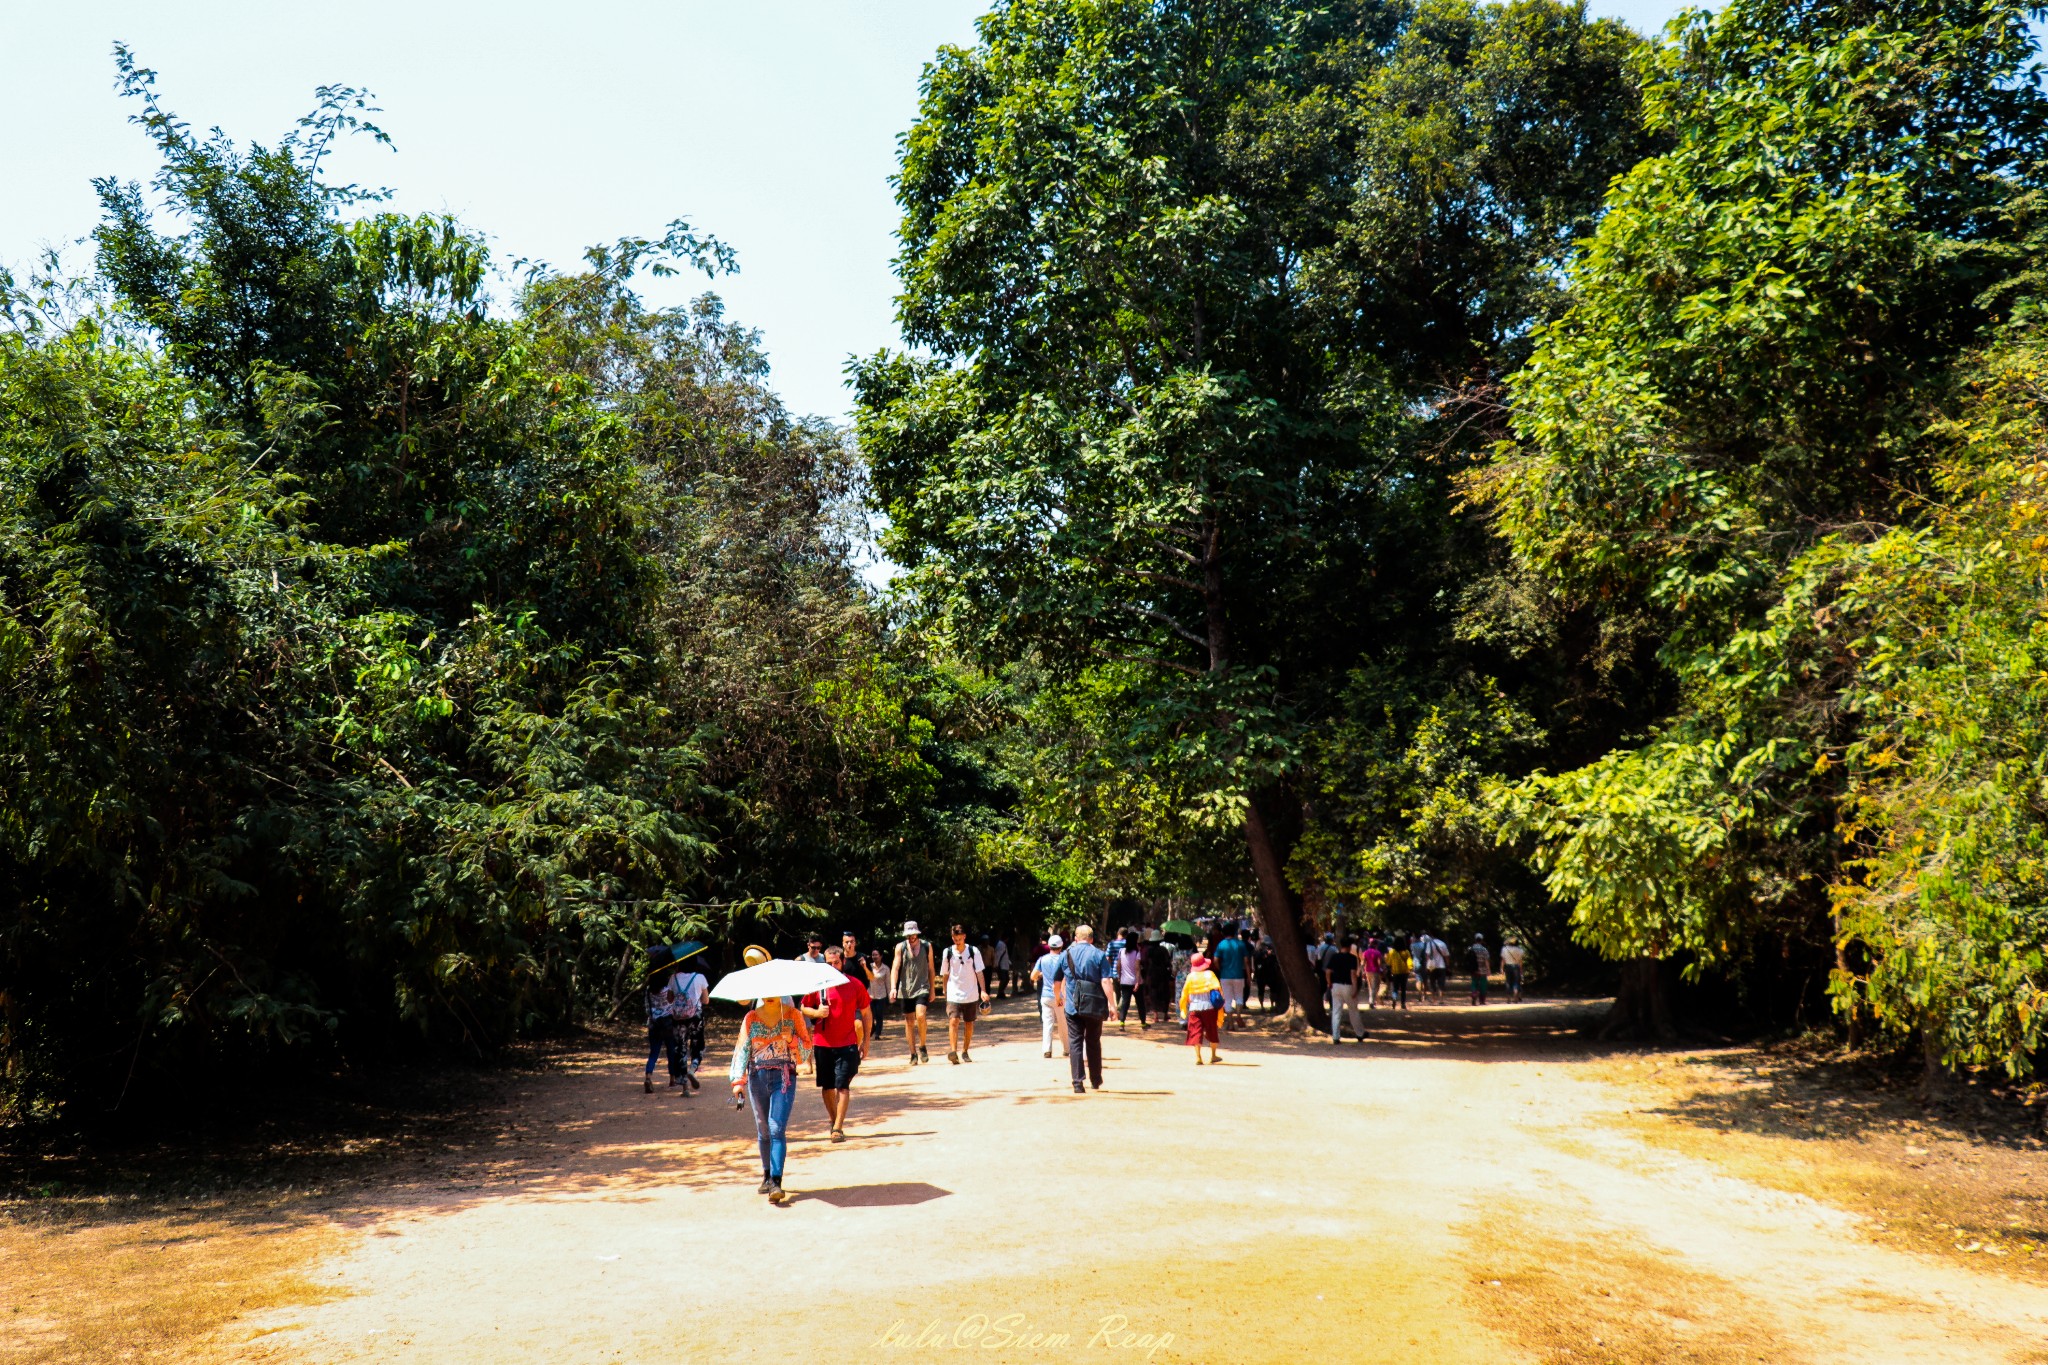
(771, 124)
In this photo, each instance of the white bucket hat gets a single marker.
(910, 926)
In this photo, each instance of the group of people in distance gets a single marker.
(1205, 980)
(1381, 966)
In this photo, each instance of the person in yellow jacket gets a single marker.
(1200, 1005)
(1399, 964)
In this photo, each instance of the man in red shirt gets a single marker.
(842, 1020)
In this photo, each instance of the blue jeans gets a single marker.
(772, 1092)
(664, 1036)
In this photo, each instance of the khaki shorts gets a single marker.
(966, 1010)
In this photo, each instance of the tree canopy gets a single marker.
(1375, 464)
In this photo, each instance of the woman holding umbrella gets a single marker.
(774, 1040)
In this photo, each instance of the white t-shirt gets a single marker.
(691, 992)
(960, 969)
(1439, 955)
(1511, 954)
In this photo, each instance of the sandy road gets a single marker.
(1447, 1192)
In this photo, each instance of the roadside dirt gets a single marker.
(1469, 1185)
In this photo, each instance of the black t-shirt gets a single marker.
(857, 969)
(1342, 967)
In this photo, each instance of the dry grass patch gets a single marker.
(1595, 1301)
(147, 1289)
(1965, 1180)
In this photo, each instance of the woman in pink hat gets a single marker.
(1201, 1001)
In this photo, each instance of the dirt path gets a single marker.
(1449, 1192)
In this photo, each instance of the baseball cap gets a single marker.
(1055, 942)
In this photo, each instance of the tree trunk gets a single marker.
(1933, 1075)
(1270, 829)
(1272, 822)
(1855, 1004)
(1642, 1009)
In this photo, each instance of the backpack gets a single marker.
(1085, 999)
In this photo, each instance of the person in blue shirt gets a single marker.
(1083, 972)
(1050, 1015)
(1232, 959)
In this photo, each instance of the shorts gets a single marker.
(1202, 1027)
(913, 1003)
(967, 1011)
(837, 1066)
(1233, 993)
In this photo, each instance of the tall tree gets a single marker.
(1194, 287)
(1757, 336)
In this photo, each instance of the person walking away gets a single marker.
(1482, 968)
(693, 996)
(1511, 955)
(773, 1040)
(1232, 958)
(841, 1019)
(1130, 979)
(1201, 1001)
(966, 992)
(1158, 967)
(663, 1035)
(911, 972)
(999, 966)
(1181, 958)
(1439, 967)
(1340, 977)
(1051, 1015)
(1083, 972)
(1373, 964)
(1397, 976)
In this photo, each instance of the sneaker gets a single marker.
(924, 1054)
(767, 1186)
(776, 1196)
(695, 1084)
(965, 1055)
(1080, 1089)
(913, 1056)
(1048, 1052)
(647, 1084)
(953, 1057)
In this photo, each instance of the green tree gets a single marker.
(1755, 337)
(1195, 287)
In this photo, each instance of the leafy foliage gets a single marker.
(379, 665)
(1732, 411)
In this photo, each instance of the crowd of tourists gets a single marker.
(1206, 978)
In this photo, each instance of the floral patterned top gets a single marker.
(764, 1046)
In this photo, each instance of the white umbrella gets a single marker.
(777, 976)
